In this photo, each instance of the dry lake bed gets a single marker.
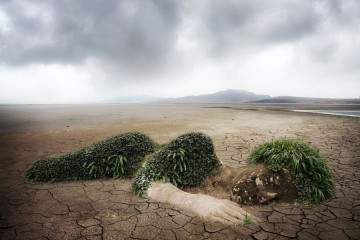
(108, 209)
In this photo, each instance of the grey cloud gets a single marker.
(247, 27)
(122, 32)
(335, 43)
(130, 34)
(341, 12)
(257, 23)
(293, 21)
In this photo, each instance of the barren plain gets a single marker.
(107, 209)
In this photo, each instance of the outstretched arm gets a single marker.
(206, 207)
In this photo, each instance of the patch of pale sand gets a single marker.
(207, 207)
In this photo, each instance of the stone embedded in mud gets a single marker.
(257, 185)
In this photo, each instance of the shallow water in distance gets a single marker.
(333, 112)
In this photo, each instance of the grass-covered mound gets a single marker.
(185, 162)
(113, 157)
(312, 176)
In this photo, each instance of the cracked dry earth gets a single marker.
(109, 210)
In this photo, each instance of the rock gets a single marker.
(257, 185)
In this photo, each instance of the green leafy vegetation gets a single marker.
(116, 156)
(312, 176)
(115, 166)
(184, 162)
(247, 220)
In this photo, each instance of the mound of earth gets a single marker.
(258, 184)
(253, 184)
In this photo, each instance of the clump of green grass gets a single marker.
(114, 166)
(116, 156)
(247, 220)
(184, 162)
(312, 176)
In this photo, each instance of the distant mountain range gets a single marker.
(227, 96)
(234, 96)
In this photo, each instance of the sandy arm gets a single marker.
(207, 207)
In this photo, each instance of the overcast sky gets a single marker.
(65, 51)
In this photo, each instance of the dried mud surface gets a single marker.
(109, 210)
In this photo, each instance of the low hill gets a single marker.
(227, 96)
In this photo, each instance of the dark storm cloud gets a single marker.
(321, 29)
(241, 24)
(126, 32)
